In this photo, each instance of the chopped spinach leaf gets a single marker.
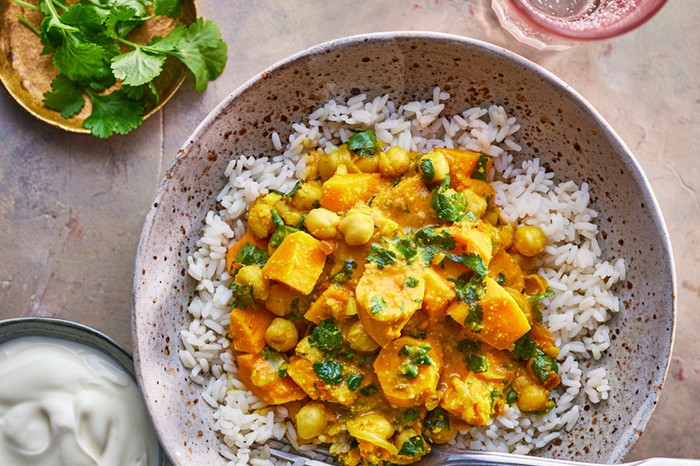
(543, 365)
(416, 355)
(427, 170)
(378, 303)
(326, 336)
(383, 257)
(480, 170)
(448, 206)
(369, 390)
(468, 346)
(367, 359)
(250, 254)
(345, 272)
(511, 396)
(437, 421)
(411, 282)
(408, 416)
(329, 371)
(242, 295)
(501, 279)
(477, 364)
(354, 381)
(524, 347)
(535, 303)
(363, 143)
(413, 446)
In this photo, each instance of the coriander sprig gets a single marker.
(92, 53)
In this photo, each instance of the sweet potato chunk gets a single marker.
(261, 378)
(407, 203)
(342, 191)
(470, 239)
(302, 371)
(502, 321)
(464, 164)
(438, 294)
(468, 398)
(504, 269)
(386, 302)
(247, 329)
(408, 370)
(297, 262)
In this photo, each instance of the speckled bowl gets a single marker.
(559, 126)
(73, 332)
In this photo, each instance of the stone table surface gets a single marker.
(72, 207)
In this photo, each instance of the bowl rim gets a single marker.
(638, 422)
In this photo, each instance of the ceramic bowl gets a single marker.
(72, 332)
(559, 126)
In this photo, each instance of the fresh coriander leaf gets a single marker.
(437, 421)
(495, 394)
(408, 416)
(477, 363)
(65, 96)
(413, 447)
(120, 21)
(250, 254)
(480, 169)
(378, 303)
(330, 371)
(280, 231)
(242, 296)
(86, 18)
(471, 260)
(202, 51)
(363, 143)
(448, 204)
(407, 247)
(382, 257)
(113, 113)
(137, 67)
(475, 318)
(170, 8)
(429, 236)
(501, 279)
(354, 381)
(80, 61)
(345, 272)
(326, 336)
(411, 282)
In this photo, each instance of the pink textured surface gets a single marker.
(72, 207)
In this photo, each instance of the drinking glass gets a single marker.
(560, 24)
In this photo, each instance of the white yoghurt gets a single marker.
(67, 404)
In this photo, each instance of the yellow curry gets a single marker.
(386, 303)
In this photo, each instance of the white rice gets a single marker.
(572, 263)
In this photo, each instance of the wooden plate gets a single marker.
(27, 74)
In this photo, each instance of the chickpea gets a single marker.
(527, 264)
(433, 167)
(529, 240)
(357, 228)
(311, 421)
(393, 162)
(308, 195)
(367, 164)
(477, 204)
(359, 340)
(491, 215)
(532, 398)
(374, 423)
(260, 220)
(281, 334)
(328, 164)
(252, 275)
(322, 223)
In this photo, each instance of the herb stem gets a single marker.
(138, 46)
(29, 25)
(59, 4)
(26, 5)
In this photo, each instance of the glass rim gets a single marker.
(648, 8)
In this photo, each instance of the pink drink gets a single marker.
(559, 24)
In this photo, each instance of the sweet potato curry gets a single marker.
(386, 303)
